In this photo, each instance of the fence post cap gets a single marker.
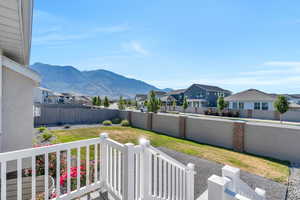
(260, 192)
(103, 135)
(144, 142)
(191, 166)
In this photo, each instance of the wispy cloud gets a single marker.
(54, 30)
(136, 47)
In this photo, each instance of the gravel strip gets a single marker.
(294, 182)
(205, 168)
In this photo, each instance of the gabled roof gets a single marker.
(167, 98)
(176, 92)
(211, 88)
(251, 95)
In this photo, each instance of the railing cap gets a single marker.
(144, 142)
(103, 135)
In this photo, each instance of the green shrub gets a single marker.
(42, 129)
(116, 120)
(46, 136)
(125, 123)
(106, 123)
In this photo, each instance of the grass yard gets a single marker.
(269, 168)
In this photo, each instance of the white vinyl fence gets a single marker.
(127, 172)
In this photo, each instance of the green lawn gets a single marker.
(269, 168)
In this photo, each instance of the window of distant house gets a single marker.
(241, 105)
(265, 106)
(257, 106)
(234, 105)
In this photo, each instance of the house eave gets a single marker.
(25, 71)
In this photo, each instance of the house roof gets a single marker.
(159, 92)
(211, 88)
(176, 92)
(15, 29)
(251, 95)
(140, 95)
(167, 98)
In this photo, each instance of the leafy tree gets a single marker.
(94, 101)
(185, 104)
(121, 103)
(281, 105)
(174, 104)
(129, 103)
(99, 102)
(135, 104)
(221, 104)
(152, 103)
(106, 102)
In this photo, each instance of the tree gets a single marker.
(99, 102)
(94, 100)
(221, 104)
(174, 104)
(281, 105)
(152, 103)
(185, 104)
(106, 102)
(121, 103)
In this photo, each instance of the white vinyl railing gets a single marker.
(231, 187)
(127, 172)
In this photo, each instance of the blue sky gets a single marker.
(235, 44)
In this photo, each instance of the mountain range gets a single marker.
(93, 83)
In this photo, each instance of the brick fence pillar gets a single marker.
(182, 126)
(129, 116)
(149, 121)
(238, 136)
(249, 113)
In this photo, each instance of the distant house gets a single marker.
(177, 95)
(199, 95)
(251, 99)
(293, 98)
(140, 97)
(44, 96)
(158, 94)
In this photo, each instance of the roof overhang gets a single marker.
(16, 29)
(25, 71)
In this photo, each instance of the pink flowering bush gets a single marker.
(40, 170)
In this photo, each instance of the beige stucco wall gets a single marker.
(165, 123)
(210, 131)
(17, 110)
(139, 120)
(276, 141)
(293, 116)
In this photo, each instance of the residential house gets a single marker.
(140, 98)
(199, 95)
(251, 99)
(44, 96)
(177, 95)
(158, 94)
(17, 80)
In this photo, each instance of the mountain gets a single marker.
(96, 82)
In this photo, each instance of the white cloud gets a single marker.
(136, 47)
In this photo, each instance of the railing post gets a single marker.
(190, 181)
(145, 167)
(216, 188)
(128, 180)
(233, 174)
(103, 157)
